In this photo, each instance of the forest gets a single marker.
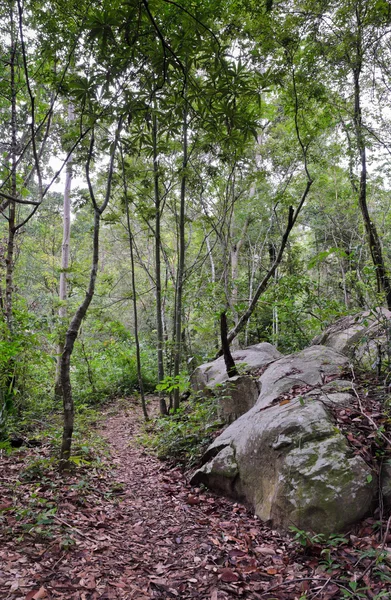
(167, 169)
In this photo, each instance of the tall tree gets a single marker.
(65, 253)
(74, 326)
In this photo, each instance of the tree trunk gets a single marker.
(383, 279)
(292, 217)
(65, 250)
(228, 358)
(9, 260)
(158, 278)
(134, 294)
(74, 327)
(181, 265)
(234, 255)
(70, 338)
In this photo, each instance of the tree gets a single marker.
(74, 326)
(353, 37)
(65, 250)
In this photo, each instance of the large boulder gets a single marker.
(359, 336)
(236, 396)
(309, 368)
(252, 359)
(293, 465)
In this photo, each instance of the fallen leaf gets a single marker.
(228, 576)
(265, 550)
(138, 529)
(37, 594)
(192, 500)
(238, 553)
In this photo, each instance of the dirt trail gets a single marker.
(177, 542)
(137, 530)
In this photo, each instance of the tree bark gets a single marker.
(228, 358)
(135, 316)
(382, 275)
(65, 250)
(158, 278)
(134, 295)
(74, 326)
(181, 263)
(9, 260)
(70, 338)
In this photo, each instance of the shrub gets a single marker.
(183, 436)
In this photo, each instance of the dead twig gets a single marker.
(322, 588)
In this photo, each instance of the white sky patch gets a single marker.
(58, 186)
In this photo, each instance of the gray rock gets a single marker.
(358, 336)
(341, 399)
(337, 385)
(293, 465)
(236, 396)
(252, 358)
(220, 473)
(308, 367)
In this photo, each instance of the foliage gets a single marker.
(330, 549)
(268, 97)
(183, 436)
(26, 371)
(105, 363)
(169, 383)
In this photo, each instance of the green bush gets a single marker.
(104, 363)
(182, 437)
(27, 373)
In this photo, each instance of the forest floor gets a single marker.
(135, 529)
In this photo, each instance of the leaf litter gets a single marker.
(135, 529)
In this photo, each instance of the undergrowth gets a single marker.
(88, 447)
(182, 437)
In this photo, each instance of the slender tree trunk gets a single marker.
(9, 260)
(382, 275)
(250, 293)
(136, 336)
(210, 255)
(74, 326)
(158, 278)
(292, 217)
(65, 250)
(228, 358)
(6, 399)
(135, 312)
(234, 255)
(70, 338)
(213, 281)
(181, 264)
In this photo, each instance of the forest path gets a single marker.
(176, 542)
(132, 529)
(137, 530)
